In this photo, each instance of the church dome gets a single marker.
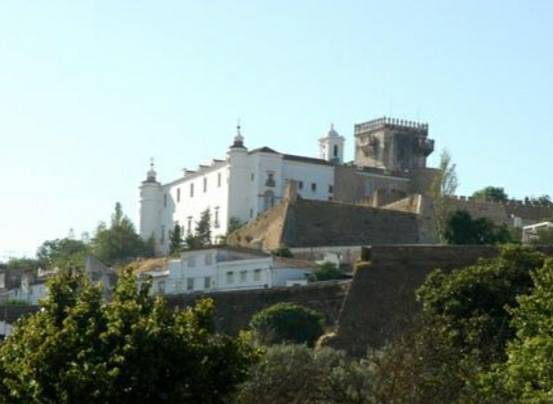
(332, 132)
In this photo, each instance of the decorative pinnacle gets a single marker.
(152, 163)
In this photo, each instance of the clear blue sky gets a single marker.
(89, 90)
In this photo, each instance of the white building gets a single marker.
(389, 164)
(243, 185)
(532, 232)
(223, 268)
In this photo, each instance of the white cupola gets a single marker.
(331, 146)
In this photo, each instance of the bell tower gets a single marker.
(331, 146)
(150, 206)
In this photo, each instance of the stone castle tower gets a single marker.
(392, 144)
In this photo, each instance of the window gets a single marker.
(257, 275)
(191, 261)
(189, 225)
(207, 282)
(178, 194)
(208, 259)
(230, 277)
(251, 213)
(243, 276)
(252, 176)
(330, 189)
(270, 182)
(190, 284)
(335, 151)
(219, 179)
(178, 286)
(216, 217)
(300, 184)
(205, 184)
(164, 200)
(368, 188)
(314, 186)
(162, 239)
(192, 190)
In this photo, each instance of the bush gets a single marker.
(327, 271)
(287, 322)
(283, 252)
(297, 374)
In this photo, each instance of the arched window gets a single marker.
(335, 150)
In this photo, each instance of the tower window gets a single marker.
(216, 217)
(178, 194)
(335, 151)
(205, 184)
(218, 179)
(314, 186)
(330, 189)
(252, 176)
(162, 238)
(189, 225)
(192, 190)
(300, 184)
(164, 200)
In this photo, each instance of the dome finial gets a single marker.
(151, 176)
(238, 138)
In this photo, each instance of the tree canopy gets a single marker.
(63, 252)
(288, 322)
(119, 242)
(461, 228)
(492, 194)
(81, 349)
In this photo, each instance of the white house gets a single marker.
(532, 231)
(243, 185)
(223, 268)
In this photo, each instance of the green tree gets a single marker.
(287, 322)
(327, 271)
(298, 374)
(118, 243)
(81, 349)
(466, 315)
(234, 224)
(443, 187)
(65, 252)
(527, 375)
(202, 234)
(461, 228)
(492, 194)
(175, 240)
(22, 263)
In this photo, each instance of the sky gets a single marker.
(90, 90)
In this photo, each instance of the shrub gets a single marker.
(283, 252)
(298, 374)
(287, 322)
(327, 271)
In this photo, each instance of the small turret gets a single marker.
(151, 196)
(238, 139)
(332, 146)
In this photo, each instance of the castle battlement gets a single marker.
(392, 123)
(510, 202)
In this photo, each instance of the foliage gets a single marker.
(544, 237)
(118, 243)
(492, 194)
(298, 374)
(175, 239)
(22, 263)
(202, 234)
(527, 375)
(133, 349)
(14, 302)
(467, 313)
(327, 271)
(461, 228)
(283, 252)
(544, 200)
(442, 188)
(63, 253)
(287, 322)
